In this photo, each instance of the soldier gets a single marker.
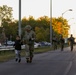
(62, 41)
(55, 42)
(71, 40)
(29, 38)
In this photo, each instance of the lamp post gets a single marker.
(70, 26)
(66, 11)
(51, 22)
(70, 31)
(62, 17)
(19, 26)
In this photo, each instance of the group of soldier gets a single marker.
(29, 38)
(61, 41)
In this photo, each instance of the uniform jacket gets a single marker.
(29, 37)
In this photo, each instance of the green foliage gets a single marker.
(41, 26)
(5, 13)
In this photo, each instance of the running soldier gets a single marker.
(29, 38)
(62, 42)
(71, 40)
(55, 42)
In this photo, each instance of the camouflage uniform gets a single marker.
(29, 38)
(71, 40)
(62, 42)
(55, 43)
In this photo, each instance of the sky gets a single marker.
(35, 8)
(63, 6)
(38, 8)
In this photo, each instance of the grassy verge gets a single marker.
(7, 55)
(42, 49)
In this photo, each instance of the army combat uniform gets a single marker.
(62, 42)
(29, 38)
(55, 43)
(71, 40)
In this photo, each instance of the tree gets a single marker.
(44, 22)
(40, 35)
(60, 26)
(5, 13)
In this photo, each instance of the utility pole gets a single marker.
(19, 26)
(51, 22)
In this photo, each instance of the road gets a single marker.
(49, 63)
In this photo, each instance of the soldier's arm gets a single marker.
(33, 35)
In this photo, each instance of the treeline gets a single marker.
(41, 26)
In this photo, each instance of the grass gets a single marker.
(7, 55)
(42, 49)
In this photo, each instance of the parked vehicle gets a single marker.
(9, 43)
(36, 45)
(45, 43)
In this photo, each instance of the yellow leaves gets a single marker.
(57, 27)
(60, 27)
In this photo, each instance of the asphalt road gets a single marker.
(49, 63)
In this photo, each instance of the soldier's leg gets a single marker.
(55, 45)
(27, 52)
(61, 47)
(71, 47)
(31, 48)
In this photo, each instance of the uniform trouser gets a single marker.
(29, 51)
(71, 46)
(17, 52)
(55, 46)
(62, 46)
